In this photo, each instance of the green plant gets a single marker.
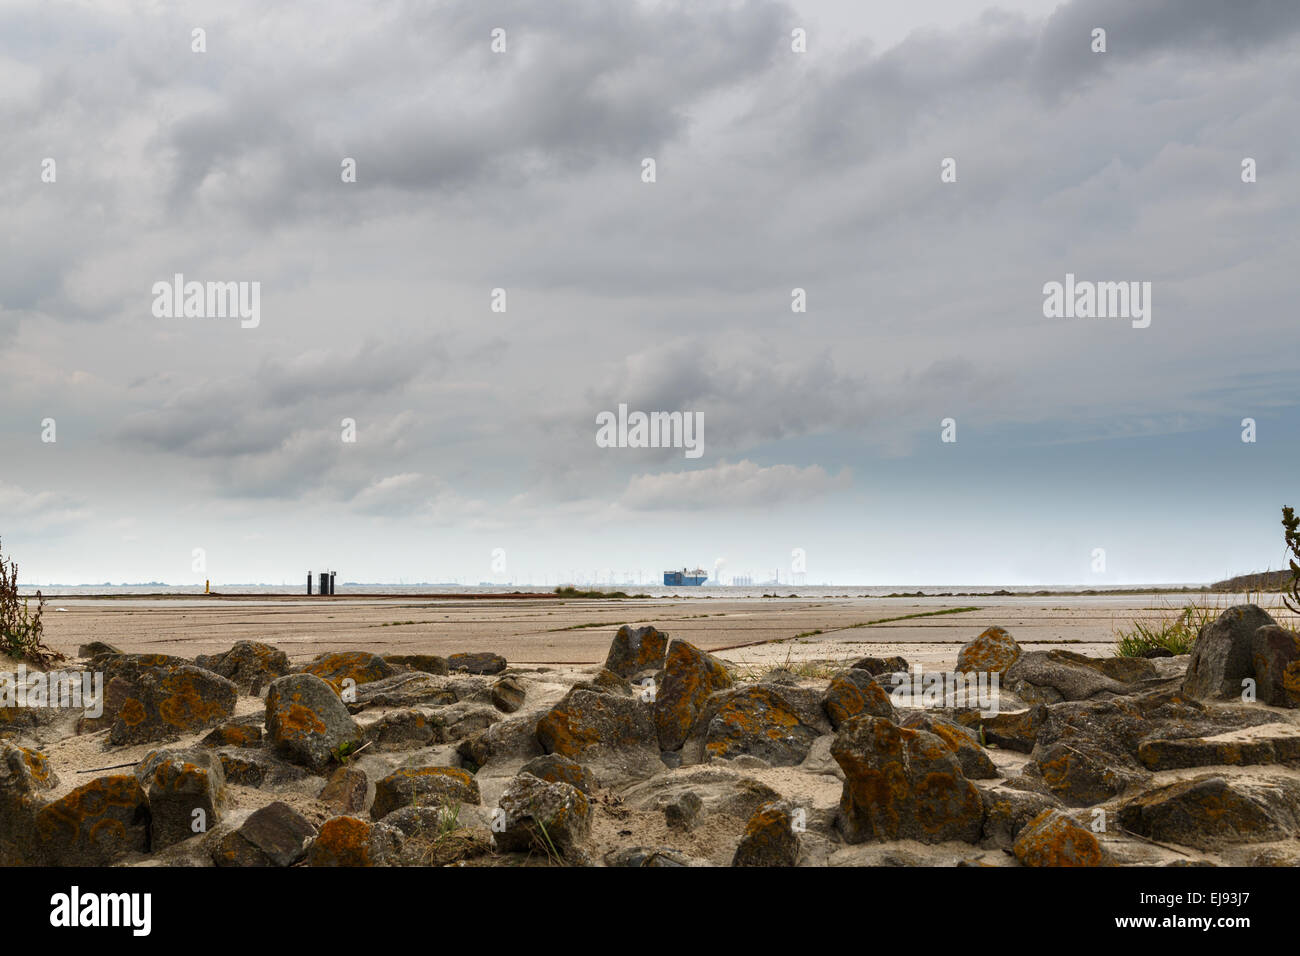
(21, 629)
(1176, 635)
(1291, 534)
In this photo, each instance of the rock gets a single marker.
(512, 739)
(1007, 812)
(93, 825)
(469, 721)
(96, 648)
(275, 835)
(164, 703)
(306, 723)
(1081, 774)
(427, 663)
(637, 856)
(25, 777)
(255, 768)
(636, 649)
(682, 812)
(1063, 673)
(402, 690)
(242, 732)
(903, 784)
(405, 730)
(116, 692)
(480, 663)
(854, 692)
(1223, 655)
(345, 790)
(557, 768)
(508, 694)
(1275, 657)
(359, 667)
(877, 666)
(965, 744)
(614, 735)
(250, 666)
(349, 841)
(1209, 812)
(690, 676)
(1010, 730)
(769, 838)
(1053, 839)
(770, 721)
(420, 821)
(426, 786)
(550, 817)
(187, 793)
(722, 790)
(1278, 748)
(992, 652)
(607, 682)
(445, 848)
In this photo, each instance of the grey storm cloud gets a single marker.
(522, 171)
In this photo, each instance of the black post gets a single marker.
(309, 583)
(324, 584)
(332, 573)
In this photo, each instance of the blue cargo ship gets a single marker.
(676, 579)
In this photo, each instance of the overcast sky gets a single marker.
(522, 170)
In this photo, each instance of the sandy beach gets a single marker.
(548, 630)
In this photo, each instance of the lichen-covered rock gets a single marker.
(92, 825)
(1053, 838)
(611, 734)
(855, 692)
(275, 835)
(249, 665)
(1010, 730)
(306, 723)
(1275, 657)
(651, 856)
(690, 677)
(242, 732)
(1081, 774)
(349, 841)
(557, 768)
(425, 786)
(769, 838)
(1008, 811)
(1209, 812)
(992, 652)
(636, 649)
(508, 694)
(1281, 748)
(477, 663)
(605, 681)
(406, 730)
(1223, 655)
(97, 648)
(166, 702)
(345, 790)
(769, 721)
(25, 777)
(428, 663)
(187, 793)
(903, 784)
(975, 762)
(540, 816)
(359, 667)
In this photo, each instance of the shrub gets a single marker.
(21, 629)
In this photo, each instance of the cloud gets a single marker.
(743, 484)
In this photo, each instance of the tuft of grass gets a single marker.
(569, 591)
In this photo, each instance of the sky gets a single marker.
(140, 445)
